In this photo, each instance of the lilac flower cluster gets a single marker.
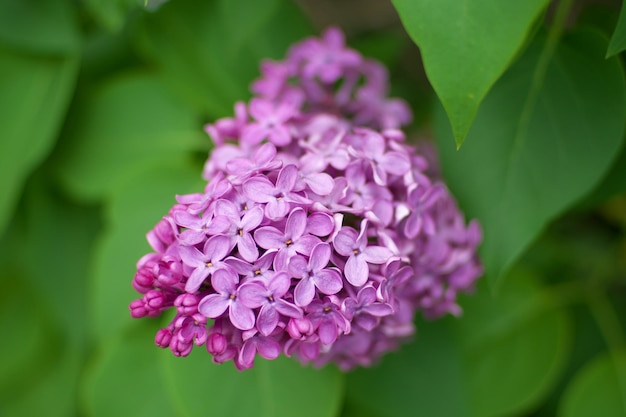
(320, 232)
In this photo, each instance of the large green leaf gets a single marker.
(45, 26)
(111, 13)
(455, 367)
(466, 46)
(132, 211)
(599, 389)
(618, 40)
(211, 50)
(35, 93)
(279, 388)
(543, 141)
(131, 123)
(126, 379)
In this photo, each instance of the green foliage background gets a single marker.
(102, 105)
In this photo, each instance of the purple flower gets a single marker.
(268, 296)
(206, 262)
(314, 274)
(270, 122)
(354, 245)
(239, 227)
(225, 283)
(366, 309)
(327, 320)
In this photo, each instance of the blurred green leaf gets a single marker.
(540, 145)
(599, 389)
(455, 367)
(462, 57)
(282, 387)
(132, 211)
(45, 26)
(126, 379)
(130, 124)
(111, 14)
(211, 50)
(618, 40)
(35, 93)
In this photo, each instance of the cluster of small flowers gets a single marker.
(320, 232)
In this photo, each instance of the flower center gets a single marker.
(327, 309)
(209, 264)
(257, 272)
(288, 242)
(240, 232)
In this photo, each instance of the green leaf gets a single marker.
(133, 210)
(39, 26)
(282, 387)
(126, 379)
(599, 389)
(543, 141)
(618, 40)
(35, 93)
(462, 54)
(130, 124)
(210, 51)
(111, 14)
(455, 366)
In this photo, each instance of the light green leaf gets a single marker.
(132, 211)
(466, 46)
(36, 91)
(39, 26)
(542, 143)
(130, 124)
(599, 389)
(112, 14)
(278, 388)
(455, 367)
(126, 379)
(618, 40)
(210, 51)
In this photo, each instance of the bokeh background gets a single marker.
(102, 108)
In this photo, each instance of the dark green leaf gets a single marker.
(35, 93)
(599, 389)
(455, 367)
(130, 124)
(126, 379)
(541, 144)
(210, 51)
(39, 26)
(133, 210)
(618, 40)
(279, 388)
(466, 46)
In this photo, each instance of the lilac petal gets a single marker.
(268, 348)
(395, 163)
(305, 244)
(379, 174)
(247, 354)
(280, 135)
(259, 189)
(366, 321)
(377, 254)
(241, 316)
(213, 305)
(241, 267)
(196, 279)
(264, 154)
(247, 247)
(282, 259)
(304, 292)
(191, 256)
(320, 224)
(269, 237)
(328, 332)
(357, 271)
(277, 209)
(217, 247)
(227, 208)
(287, 309)
(367, 296)
(413, 225)
(224, 281)
(379, 309)
(297, 266)
(287, 178)
(254, 133)
(345, 241)
(296, 224)
(252, 294)
(267, 320)
(320, 255)
(279, 284)
(186, 219)
(218, 224)
(320, 183)
(238, 166)
(252, 218)
(328, 281)
(191, 237)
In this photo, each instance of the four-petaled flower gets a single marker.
(314, 274)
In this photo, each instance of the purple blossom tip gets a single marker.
(320, 232)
